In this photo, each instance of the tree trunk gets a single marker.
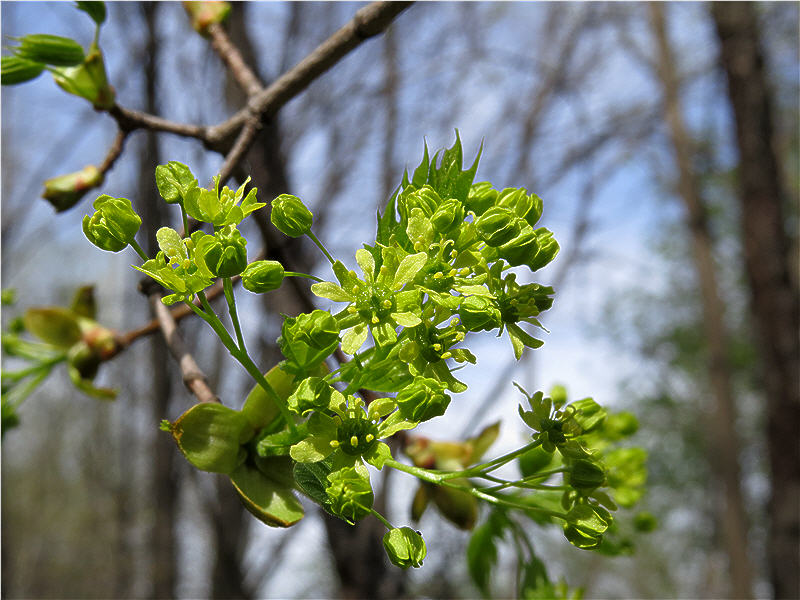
(163, 558)
(774, 296)
(724, 454)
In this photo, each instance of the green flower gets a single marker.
(224, 253)
(405, 547)
(175, 267)
(220, 208)
(375, 302)
(352, 433)
(422, 400)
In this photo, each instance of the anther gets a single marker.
(354, 441)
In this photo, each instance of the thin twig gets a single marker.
(231, 56)
(115, 151)
(193, 377)
(129, 120)
(366, 23)
(240, 147)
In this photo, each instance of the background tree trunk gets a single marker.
(724, 453)
(774, 293)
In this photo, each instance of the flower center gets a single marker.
(357, 436)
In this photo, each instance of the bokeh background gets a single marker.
(570, 100)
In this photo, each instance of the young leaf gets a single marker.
(268, 500)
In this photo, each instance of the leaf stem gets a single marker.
(306, 275)
(315, 239)
(142, 254)
(227, 286)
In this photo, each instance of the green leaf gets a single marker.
(14, 70)
(331, 291)
(268, 500)
(86, 386)
(96, 10)
(482, 550)
(55, 325)
(50, 49)
(211, 435)
(312, 479)
(408, 269)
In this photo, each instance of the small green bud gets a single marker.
(585, 475)
(350, 494)
(497, 226)
(307, 340)
(263, 276)
(423, 399)
(14, 70)
(290, 216)
(405, 547)
(313, 393)
(224, 253)
(482, 196)
(64, 191)
(113, 225)
(174, 180)
(478, 313)
(522, 249)
(84, 359)
(448, 215)
(425, 198)
(50, 49)
(548, 249)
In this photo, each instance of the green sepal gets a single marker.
(87, 80)
(174, 180)
(404, 547)
(211, 435)
(268, 500)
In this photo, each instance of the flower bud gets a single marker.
(482, 196)
(585, 475)
(423, 399)
(313, 393)
(405, 547)
(425, 198)
(350, 494)
(224, 253)
(263, 276)
(290, 216)
(548, 249)
(520, 250)
(449, 215)
(113, 225)
(478, 313)
(174, 180)
(307, 340)
(64, 191)
(497, 226)
(50, 49)
(15, 69)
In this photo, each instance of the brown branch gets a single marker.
(243, 142)
(366, 23)
(130, 120)
(193, 378)
(231, 56)
(115, 151)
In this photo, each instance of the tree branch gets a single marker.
(231, 56)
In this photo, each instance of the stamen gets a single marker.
(369, 437)
(334, 443)
(354, 441)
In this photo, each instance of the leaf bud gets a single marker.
(50, 49)
(497, 226)
(14, 70)
(64, 191)
(113, 225)
(405, 547)
(206, 13)
(478, 313)
(423, 399)
(84, 359)
(448, 215)
(290, 216)
(224, 253)
(263, 276)
(87, 80)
